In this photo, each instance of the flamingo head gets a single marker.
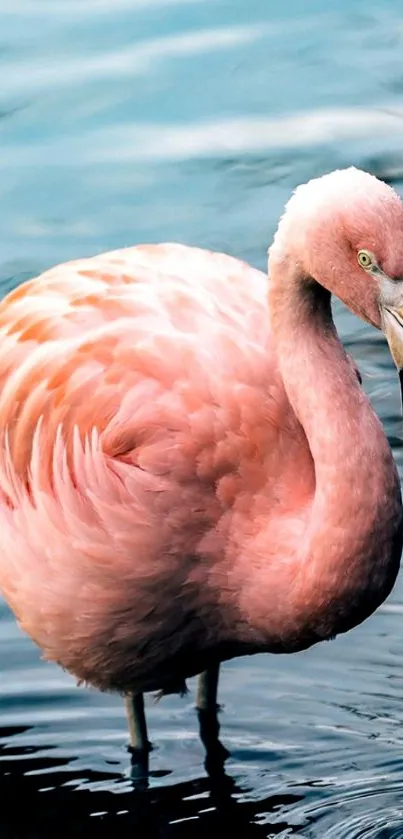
(344, 230)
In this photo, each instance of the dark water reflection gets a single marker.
(187, 120)
(213, 803)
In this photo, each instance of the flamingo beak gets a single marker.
(392, 325)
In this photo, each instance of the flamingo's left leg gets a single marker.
(139, 743)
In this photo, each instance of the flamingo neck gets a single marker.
(349, 555)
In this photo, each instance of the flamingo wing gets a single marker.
(133, 386)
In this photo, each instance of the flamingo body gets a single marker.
(138, 435)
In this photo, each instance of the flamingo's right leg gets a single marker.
(207, 709)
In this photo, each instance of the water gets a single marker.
(192, 120)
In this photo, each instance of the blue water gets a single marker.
(192, 120)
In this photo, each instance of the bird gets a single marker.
(190, 469)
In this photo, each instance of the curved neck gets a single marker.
(317, 373)
(353, 532)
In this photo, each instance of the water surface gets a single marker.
(192, 120)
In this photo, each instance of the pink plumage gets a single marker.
(189, 468)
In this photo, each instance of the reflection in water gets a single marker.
(40, 801)
(43, 796)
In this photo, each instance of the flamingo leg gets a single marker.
(207, 689)
(207, 710)
(139, 744)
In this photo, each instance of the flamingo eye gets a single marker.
(365, 259)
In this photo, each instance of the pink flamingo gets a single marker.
(189, 468)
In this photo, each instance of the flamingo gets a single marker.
(190, 470)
